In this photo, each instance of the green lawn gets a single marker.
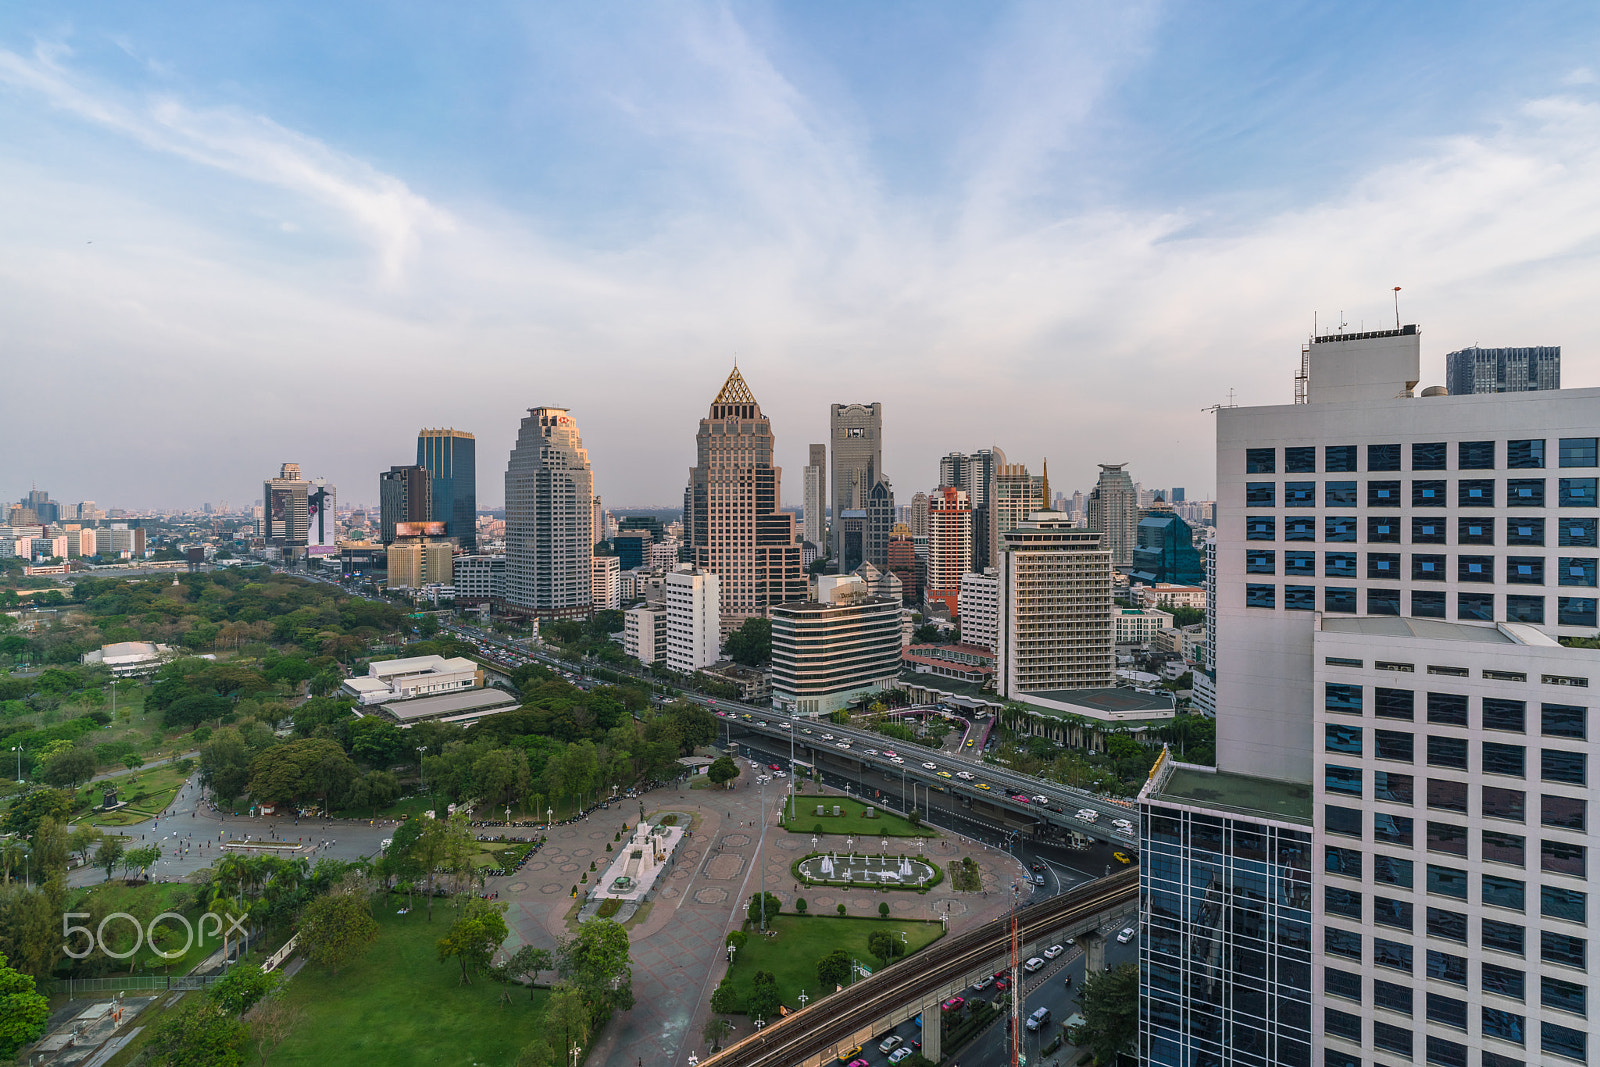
(851, 819)
(144, 902)
(400, 1006)
(147, 792)
(804, 939)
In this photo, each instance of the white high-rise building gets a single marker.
(1055, 627)
(814, 501)
(549, 498)
(644, 634)
(694, 630)
(606, 582)
(979, 601)
(1113, 509)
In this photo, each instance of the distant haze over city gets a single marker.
(1063, 232)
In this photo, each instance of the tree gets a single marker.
(133, 761)
(884, 945)
(526, 963)
(883, 910)
(109, 855)
(760, 902)
(325, 683)
(1110, 1007)
(722, 770)
(714, 1031)
(834, 968)
(69, 768)
(800, 905)
(241, 986)
(596, 962)
(337, 928)
(762, 1001)
(501, 775)
(198, 1033)
(23, 1011)
(141, 859)
(225, 763)
(475, 937)
(751, 644)
(316, 768)
(567, 1021)
(82, 841)
(274, 1019)
(23, 817)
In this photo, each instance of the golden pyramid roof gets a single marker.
(734, 390)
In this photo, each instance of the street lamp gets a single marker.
(18, 750)
(421, 784)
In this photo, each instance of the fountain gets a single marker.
(890, 872)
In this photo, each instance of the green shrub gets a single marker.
(841, 909)
(609, 907)
(800, 905)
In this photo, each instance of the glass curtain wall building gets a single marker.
(451, 459)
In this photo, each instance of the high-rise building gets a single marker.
(814, 503)
(949, 546)
(979, 601)
(904, 564)
(730, 509)
(605, 582)
(322, 516)
(415, 562)
(694, 628)
(1164, 550)
(644, 633)
(1177, 495)
(1113, 509)
(597, 521)
(1014, 495)
(479, 579)
(405, 494)
(856, 431)
(975, 473)
(285, 514)
(451, 459)
(549, 543)
(919, 515)
(842, 645)
(1055, 625)
(1502, 370)
(849, 539)
(880, 522)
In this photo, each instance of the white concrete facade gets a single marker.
(694, 630)
(1055, 629)
(979, 602)
(644, 634)
(1136, 626)
(606, 582)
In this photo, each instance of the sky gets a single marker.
(233, 235)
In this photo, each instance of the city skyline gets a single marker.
(205, 213)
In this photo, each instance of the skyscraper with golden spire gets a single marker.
(730, 509)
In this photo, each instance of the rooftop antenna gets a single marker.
(1214, 408)
(1397, 307)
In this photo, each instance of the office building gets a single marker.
(549, 543)
(285, 514)
(605, 590)
(904, 563)
(831, 650)
(979, 603)
(814, 499)
(479, 579)
(856, 433)
(918, 520)
(1055, 628)
(1113, 509)
(1137, 626)
(122, 543)
(949, 546)
(451, 459)
(1164, 550)
(405, 494)
(879, 523)
(415, 562)
(1014, 495)
(644, 634)
(732, 522)
(1176, 496)
(597, 521)
(1502, 370)
(694, 626)
(849, 539)
(975, 473)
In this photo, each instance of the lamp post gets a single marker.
(549, 813)
(421, 783)
(18, 750)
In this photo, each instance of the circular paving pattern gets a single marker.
(736, 840)
(538, 866)
(711, 896)
(568, 868)
(517, 887)
(788, 844)
(549, 887)
(567, 834)
(669, 893)
(691, 854)
(583, 852)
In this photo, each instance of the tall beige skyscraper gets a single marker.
(1014, 494)
(549, 518)
(814, 504)
(1055, 628)
(856, 433)
(1114, 511)
(286, 514)
(730, 509)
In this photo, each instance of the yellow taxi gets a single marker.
(849, 1054)
(1121, 857)
(944, 774)
(969, 744)
(983, 785)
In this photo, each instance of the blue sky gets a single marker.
(241, 234)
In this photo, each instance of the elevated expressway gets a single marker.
(917, 985)
(1061, 812)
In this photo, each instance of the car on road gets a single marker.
(944, 774)
(849, 1054)
(1038, 1018)
(969, 744)
(930, 766)
(1126, 935)
(1088, 816)
(1019, 798)
(1002, 982)
(773, 767)
(983, 983)
(1033, 964)
(1053, 951)
(1121, 857)
(860, 1063)
(870, 751)
(827, 737)
(842, 744)
(1038, 879)
(965, 776)
(954, 1004)
(904, 1052)
(983, 785)
(1040, 799)
(890, 1043)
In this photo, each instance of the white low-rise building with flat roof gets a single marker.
(130, 659)
(404, 679)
